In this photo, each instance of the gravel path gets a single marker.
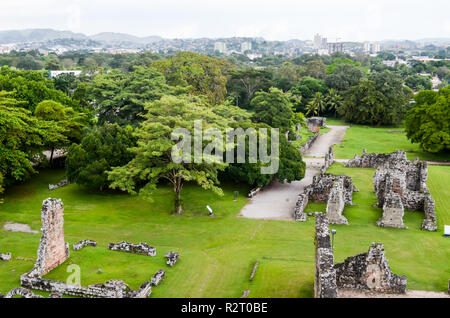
(277, 200)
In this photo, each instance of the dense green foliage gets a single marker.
(380, 100)
(102, 148)
(428, 122)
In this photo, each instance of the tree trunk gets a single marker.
(51, 157)
(177, 189)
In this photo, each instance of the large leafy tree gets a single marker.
(102, 148)
(69, 121)
(31, 87)
(153, 160)
(274, 109)
(120, 98)
(428, 122)
(203, 75)
(244, 83)
(316, 105)
(307, 89)
(23, 137)
(381, 100)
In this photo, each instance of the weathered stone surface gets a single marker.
(309, 142)
(300, 206)
(329, 160)
(141, 248)
(144, 291)
(325, 274)
(172, 258)
(52, 250)
(407, 179)
(336, 203)
(60, 184)
(158, 277)
(5, 257)
(313, 122)
(25, 293)
(369, 271)
(429, 223)
(374, 160)
(393, 212)
(321, 185)
(55, 295)
(78, 246)
(110, 289)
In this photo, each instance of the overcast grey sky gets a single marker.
(349, 20)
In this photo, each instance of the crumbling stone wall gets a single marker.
(336, 203)
(408, 180)
(52, 250)
(322, 184)
(25, 293)
(369, 271)
(110, 289)
(325, 273)
(393, 212)
(329, 160)
(60, 184)
(374, 160)
(313, 122)
(309, 142)
(300, 206)
(79, 245)
(172, 258)
(5, 256)
(141, 248)
(158, 277)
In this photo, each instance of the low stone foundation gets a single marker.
(309, 142)
(78, 246)
(374, 160)
(5, 257)
(158, 277)
(25, 293)
(60, 184)
(172, 258)
(141, 248)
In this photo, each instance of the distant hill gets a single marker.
(42, 35)
(37, 35)
(434, 40)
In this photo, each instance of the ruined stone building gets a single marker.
(399, 184)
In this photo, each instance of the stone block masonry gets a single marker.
(78, 246)
(172, 258)
(325, 274)
(53, 250)
(370, 271)
(336, 203)
(141, 248)
(5, 257)
(158, 277)
(300, 206)
(393, 212)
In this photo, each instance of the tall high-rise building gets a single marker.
(221, 47)
(246, 46)
(317, 41)
(372, 47)
(335, 47)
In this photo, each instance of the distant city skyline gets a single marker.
(346, 20)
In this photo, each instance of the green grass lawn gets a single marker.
(380, 140)
(217, 254)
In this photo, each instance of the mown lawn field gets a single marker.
(217, 254)
(380, 140)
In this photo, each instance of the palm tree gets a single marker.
(316, 105)
(333, 101)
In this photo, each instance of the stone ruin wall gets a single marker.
(53, 250)
(368, 271)
(397, 176)
(325, 274)
(336, 203)
(319, 189)
(313, 122)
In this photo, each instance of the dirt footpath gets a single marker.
(277, 200)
